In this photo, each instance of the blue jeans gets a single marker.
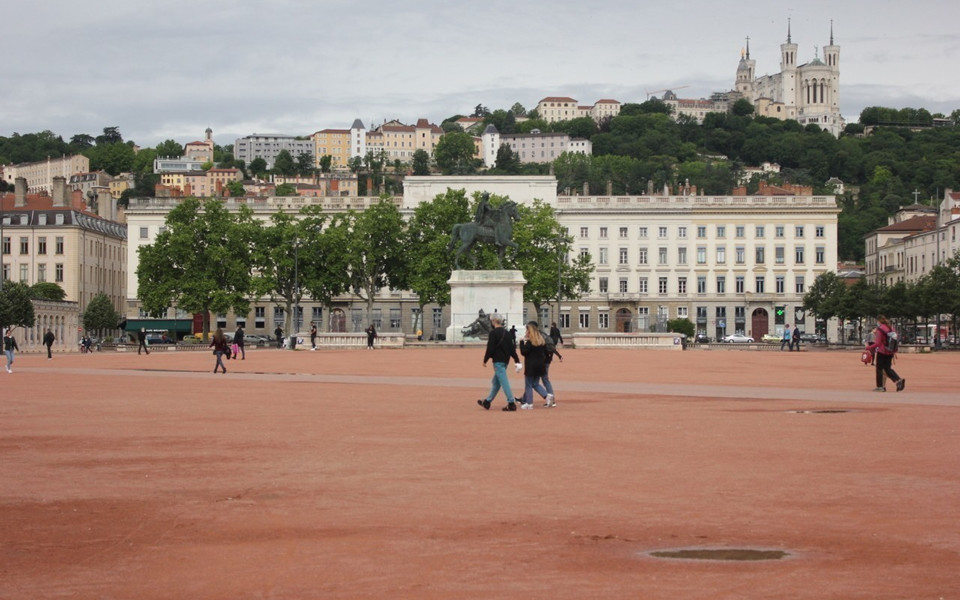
(219, 364)
(9, 354)
(546, 379)
(500, 381)
(530, 383)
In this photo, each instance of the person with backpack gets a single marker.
(884, 347)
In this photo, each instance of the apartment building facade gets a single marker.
(268, 145)
(534, 147)
(563, 108)
(39, 175)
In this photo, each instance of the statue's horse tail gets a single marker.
(454, 236)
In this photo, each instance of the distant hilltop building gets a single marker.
(39, 175)
(808, 93)
(561, 108)
(533, 147)
(268, 145)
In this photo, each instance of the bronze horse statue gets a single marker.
(495, 227)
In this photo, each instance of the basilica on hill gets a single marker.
(808, 93)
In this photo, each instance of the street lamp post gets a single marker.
(296, 293)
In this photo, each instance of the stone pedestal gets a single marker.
(498, 292)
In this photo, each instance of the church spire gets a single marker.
(788, 31)
(748, 46)
(831, 32)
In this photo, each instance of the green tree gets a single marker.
(455, 154)
(284, 164)
(376, 252)
(507, 160)
(324, 266)
(47, 290)
(201, 262)
(16, 308)
(100, 315)
(258, 167)
(742, 107)
(305, 164)
(325, 163)
(286, 189)
(683, 325)
(421, 162)
(428, 234)
(111, 135)
(112, 158)
(169, 149)
(824, 296)
(235, 188)
(542, 257)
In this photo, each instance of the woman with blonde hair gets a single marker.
(534, 349)
(219, 345)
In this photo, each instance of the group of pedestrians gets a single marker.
(538, 350)
(790, 339)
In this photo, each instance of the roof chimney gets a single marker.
(59, 191)
(103, 204)
(20, 192)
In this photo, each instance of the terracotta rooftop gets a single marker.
(911, 225)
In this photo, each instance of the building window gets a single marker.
(721, 255)
(758, 231)
(24, 273)
(58, 273)
(623, 285)
(779, 254)
(394, 318)
(24, 245)
(821, 254)
(682, 232)
(798, 231)
(741, 255)
(820, 231)
(740, 231)
(799, 285)
(759, 284)
(682, 286)
(603, 285)
(6, 245)
(701, 284)
(603, 320)
(781, 285)
(643, 256)
(624, 256)
(584, 233)
(721, 231)
(760, 255)
(603, 233)
(643, 233)
(143, 233)
(701, 231)
(584, 318)
(662, 256)
(564, 320)
(41, 273)
(683, 312)
(316, 314)
(740, 285)
(779, 231)
(643, 289)
(603, 256)
(41, 245)
(701, 255)
(798, 254)
(682, 255)
(623, 233)
(721, 284)
(259, 317)
(663, 286)
(584, 253)
(662, 232)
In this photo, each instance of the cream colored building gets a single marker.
(57, 239)
(563, 108)
(39, 175)
(885, 257)
(334, 143)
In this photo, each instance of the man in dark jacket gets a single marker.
(555, 334)
(48, 339)
(142, 338)
(500, 349)
(238, 340)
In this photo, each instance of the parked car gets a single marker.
(702, 338)
(770, 338)
(737, 338)
(159, 339)
(812, 338)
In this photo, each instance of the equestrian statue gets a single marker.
(490, 225)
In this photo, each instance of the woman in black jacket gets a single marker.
(534, 350)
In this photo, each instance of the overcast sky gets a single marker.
(170, 69)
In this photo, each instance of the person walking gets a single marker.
(219, 345)
(279, 333)
(796, 339)
(371, 336)
(551, 400)
(883, 355)
(9, 346)
(313, 337)
(534, 351)
(786, 339)
(48, 339)
(239, 343)
(142, 338)
(555, 334)
(500, 350)
(513, 334)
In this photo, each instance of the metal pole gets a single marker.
(296, 290)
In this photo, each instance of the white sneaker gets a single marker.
(550, 401)
(526, 406)
(9, 370)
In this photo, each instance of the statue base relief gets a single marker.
(493, 292)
